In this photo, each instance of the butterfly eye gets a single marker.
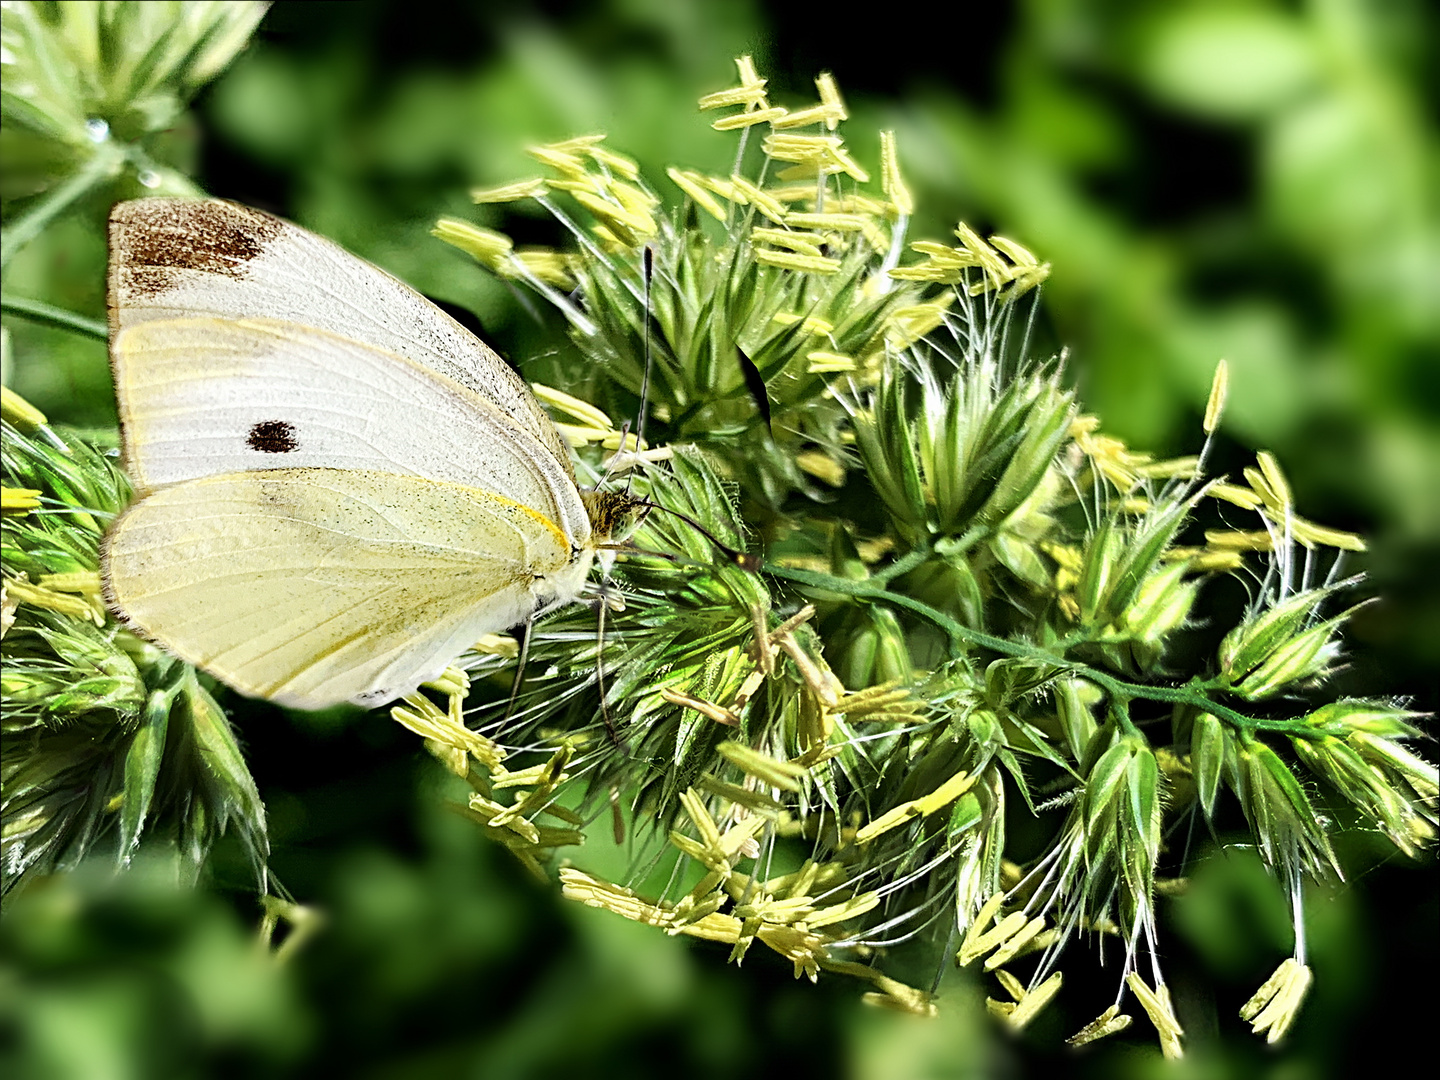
(272, 437)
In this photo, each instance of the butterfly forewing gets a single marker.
(174, 258)
(206, 396)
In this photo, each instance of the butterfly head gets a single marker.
(614, 516)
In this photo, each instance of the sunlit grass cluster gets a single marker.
(973, 602)
(93, 94)
(104, 736)
(971, 595)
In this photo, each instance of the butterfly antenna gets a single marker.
(600, 669)
(742, 559)
(617, 816)
(648, 263)
(519, 670)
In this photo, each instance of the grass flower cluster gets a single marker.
(971, 595)
(93, 92)
(104, 736)
(971, 604)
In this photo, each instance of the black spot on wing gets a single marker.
(272, 437)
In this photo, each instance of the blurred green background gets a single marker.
(1247, 180)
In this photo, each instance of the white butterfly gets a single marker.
(339, 489)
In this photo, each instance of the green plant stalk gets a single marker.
(1194, 694)
(38, 311)
(103, 165)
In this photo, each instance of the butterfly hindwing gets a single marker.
(313, 587)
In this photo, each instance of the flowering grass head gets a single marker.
(971, 594)
(106, 738)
